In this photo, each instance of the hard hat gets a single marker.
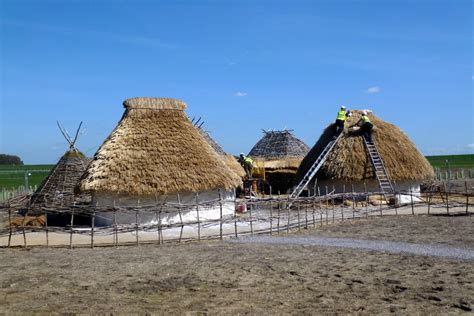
(242, 154)
(364, 112)
(343, 107)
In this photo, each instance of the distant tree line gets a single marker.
(10, 160)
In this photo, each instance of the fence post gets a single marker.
(137, 223)
(220, 213)
(115, 226)
(333, 204)
(353, 200)
(342, 205)
(279, 212)
(46, 227)
(467, 197)
(298, 210)
(71, 225)
(181, 217)
(288, 213)
(198, 219)
(320, 207)
(92, 228)
(411, 199)
(447, 197)
(430, 193)
(251, 213)
(271, 216)
(23, 230)
(366, 200)
(10, 226)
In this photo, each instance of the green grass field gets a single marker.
(455, 161)
(14, 176)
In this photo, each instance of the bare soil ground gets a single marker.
(221, 277)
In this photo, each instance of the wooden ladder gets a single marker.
(315, 167)
(379, 169)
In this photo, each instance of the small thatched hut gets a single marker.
(348, 163)
(277, 156)
(57, 188)
(229, 160)
(155, 154)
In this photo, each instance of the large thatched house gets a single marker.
(277, 156)
(57, 189)
(155, 154)
(349, 164)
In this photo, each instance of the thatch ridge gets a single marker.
(156, 151)
(154, 103)
(349, 161)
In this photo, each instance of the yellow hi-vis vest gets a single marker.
(248, 160)
(341, 115)
(365, 120)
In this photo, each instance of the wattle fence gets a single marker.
(170, 222)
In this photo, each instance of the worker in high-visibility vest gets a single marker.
(341, 119)
(247, 163)
(366, 126)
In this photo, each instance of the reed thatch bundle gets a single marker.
(349, 160)
(155, 150)
(229, 160)
(279, 150)
(58, 187)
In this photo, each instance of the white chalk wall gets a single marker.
(188, 214)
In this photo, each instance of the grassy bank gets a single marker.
(14, 176)
(455, 161)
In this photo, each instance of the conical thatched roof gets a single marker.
(279, 150)
(58, 187)
(349, 160)
(229, 160)
(155, 149)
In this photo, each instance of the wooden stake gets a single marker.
(220, 214)
(271, 216)
(429, 198)
(411, 199)
(366, 200)
(467, 197)
(446, 190)
(198, 220)
(181, 217)
(342, 205)
(72, 228)
(46, 228)
(10, 226)
(92, 229)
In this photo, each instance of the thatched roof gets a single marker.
(155, 149)
(349, 160)
(229, 160)
(279, 150)
(58, 187)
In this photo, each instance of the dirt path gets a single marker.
(221, 277)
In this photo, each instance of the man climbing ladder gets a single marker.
(366, 126)
(341, 119)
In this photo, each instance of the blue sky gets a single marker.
(241, 65)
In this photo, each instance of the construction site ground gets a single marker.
(246, 277)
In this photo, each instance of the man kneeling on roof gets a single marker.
(342, 116)
(366, 126)
(247, 163)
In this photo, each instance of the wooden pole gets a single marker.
(298, 210)
(314, 207)
(251, 209)
(366, 200)
(115, 225)
(198, 218)
(333, 204)
(446, 190)
(92, 228)
(467, 197)
(271, 216)
(430, 193)
(411, 199)
(181, 217)
(137, 223)
(279, 211)
(10, 226)
(235, 224)
(72, 228)
(160, 228)
(342, 205)
(288, 213)
(46, 227)
(220, 214)
(320, 207)
(353, 200)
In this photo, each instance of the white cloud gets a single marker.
(375, 89)
(240, 94)
(470, 146)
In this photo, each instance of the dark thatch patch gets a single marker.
(279, 150)
(349, 160)
(155, 149)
